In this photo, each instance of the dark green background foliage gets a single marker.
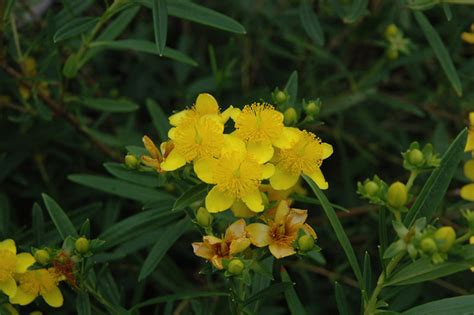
(373, 108)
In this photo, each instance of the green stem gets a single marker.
(463, 238)
(411, 180)
(371, 305)
(16, 38)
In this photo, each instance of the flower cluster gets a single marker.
(251, 161)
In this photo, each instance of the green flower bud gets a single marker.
(42, 256)
(445, 237)
(415, 157)
(131, 161)
(397, 195)
(235, 267)
(371, 188)
(391, 31)
(305, 243)
(428, 245)
(281, 96)
(82, 245)
(203, 217)
(291, 117)
(392, 53)
(312, 108)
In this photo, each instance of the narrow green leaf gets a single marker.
(148, 179)
(454, 305)
(435, 187)
(358, 8)
(345, 102)
(169, 236)
(109, 105)
(424, 270)
(310, 23)
(338, 230)
(59, 218)
(38, 224)
(294, 303)
(188, 10)
(367, 273)
(74, 27)
(342, 305)
(145, 47)
(177, 297)
(440, 51)
(160, 24)
(190, 196)
(291, 87)
(120, 188)
(159, 119)
(83, 304)
(447, 11)
(269, 292)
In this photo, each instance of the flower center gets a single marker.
(259, 122)
(237, 175)
(304, 156)
(7, 264)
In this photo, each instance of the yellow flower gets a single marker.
(281, 230)
(236, 176)
(215, 249)
(167, 161)
(305, 156)
(468, 37)
(470, 134)
(262, 128)
(36, 282)
(467, 191)
(10, 264)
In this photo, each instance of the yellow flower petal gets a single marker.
(233, 144)
(206, 104)
(309, 230)
(53, 297)
(280, 250)
(151, 147)
(24, 261)
(235, 230)
(177, 118)
(240, 210)
(468, 37)
(239, 245)
(200, 249)
(470, 141)
(282, 179)
(172, 133)
(217, 262)
(287, 138)
(9, 287)
(296, 217)
(173, 161)
(467, 192)
(230, 112)
(327, 150)
(217, 201)
(281, 213)
(261, 151)
(259, 234)
(151, 162)
(254, 201)
(268, 170)
(204, 169)
(318, 178)
(22, 298)
(8, 245)
(469, 169)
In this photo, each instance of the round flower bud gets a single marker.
(280, 97)
(445, 237)
(371, 188)
(392, 53)
(235, 267)
(312, 108)
(132, 161)
(203, 217)
(428, 245)
(415, 157)
(391, 31)
(305, 243)
(42, 256)
(291, 117)
(397, 195)
(82, 245)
